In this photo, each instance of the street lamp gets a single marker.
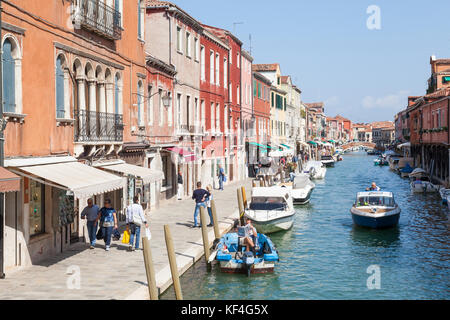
(166, 100)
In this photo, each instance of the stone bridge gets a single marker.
(358, 144)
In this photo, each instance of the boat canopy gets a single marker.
(301, 181)
(417, 172)
(375, 193)
(270, 192)
(375, 200)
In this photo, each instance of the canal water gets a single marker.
(324, 256)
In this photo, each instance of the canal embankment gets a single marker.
(83, 274)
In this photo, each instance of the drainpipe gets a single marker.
(2, 160)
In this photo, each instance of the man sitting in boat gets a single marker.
(249, 238)
(373, 187)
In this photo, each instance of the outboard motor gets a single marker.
(249, 260)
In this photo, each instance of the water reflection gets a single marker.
(375, 237)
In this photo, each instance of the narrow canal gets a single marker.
(324, 256)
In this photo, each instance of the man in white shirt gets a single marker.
(135, 219)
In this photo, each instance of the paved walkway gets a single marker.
(119, 274)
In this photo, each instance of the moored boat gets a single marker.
(315, 169)
(233, 258)
(301, 188)
(327, 161)
(271, 209)
(375, 209)
(421, 183)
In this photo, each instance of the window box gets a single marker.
(64, 122)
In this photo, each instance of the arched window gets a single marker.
(60, 109)
(9, 78)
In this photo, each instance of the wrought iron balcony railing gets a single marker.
(91, 126)
(97, 17)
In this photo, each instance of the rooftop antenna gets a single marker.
(234, 26)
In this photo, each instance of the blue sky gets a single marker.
(327, 49)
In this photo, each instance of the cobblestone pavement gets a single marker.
(118, 273)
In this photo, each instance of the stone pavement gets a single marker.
(83, 274)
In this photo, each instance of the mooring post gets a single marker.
(215, 221)
(149, 269)
(244, 197)
(205, 237)
(241, 206)
(173, 263)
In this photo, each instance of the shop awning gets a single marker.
(9, 182)
(84, 181)
(147, 175)
(286, 146)
(313, 143)
(187, 155)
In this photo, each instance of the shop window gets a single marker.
(37, 208)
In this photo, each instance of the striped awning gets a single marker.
(187, 155)
(9, 182)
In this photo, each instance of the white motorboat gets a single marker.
(315, 169)
(375, 209)
(271, 209)
(420, 182)
(301, 188)
(445, 196)
(327, 161)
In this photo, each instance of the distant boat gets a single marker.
(375, 209)
(233, 258)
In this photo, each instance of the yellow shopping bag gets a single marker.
(126, 237)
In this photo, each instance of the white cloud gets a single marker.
(394, 101)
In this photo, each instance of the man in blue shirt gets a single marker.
(200, 195)
(108, 220)
(91, 212)
(221, 176)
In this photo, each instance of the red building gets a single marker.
(234, 151)
(261, 110)
(214, 53)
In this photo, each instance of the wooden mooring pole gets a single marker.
(173, 263)
(244, 197)
(215, 221)
(149, 269)
(241, 206)
(205, 237)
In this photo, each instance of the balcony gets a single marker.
(91, 126)
(96, 16)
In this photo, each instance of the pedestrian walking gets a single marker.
(208, 205)
(180, 189)
(221, 176)
(90, 212)
(200, 195)
(108, 222)
(135, 219)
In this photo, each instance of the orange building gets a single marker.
(74, 79)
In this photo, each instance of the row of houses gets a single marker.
(423, 124)
(106, 99)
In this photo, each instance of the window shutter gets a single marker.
(9, 88)
(60, 110)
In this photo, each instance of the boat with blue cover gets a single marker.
(233, 257)
(375, 209)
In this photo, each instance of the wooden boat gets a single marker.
(375, 209)
(232, 257)
(271, 209)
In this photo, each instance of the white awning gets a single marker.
(84, 181)
(147, 175)
(403, 145)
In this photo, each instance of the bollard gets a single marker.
(173, 263)
(149, 269)
(241, 206)
(205, 237)
(215, 221)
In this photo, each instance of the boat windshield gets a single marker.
(375, 201)
(268, 203)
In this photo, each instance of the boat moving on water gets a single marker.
(233, 258)
(271, 209)
(375, 209)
